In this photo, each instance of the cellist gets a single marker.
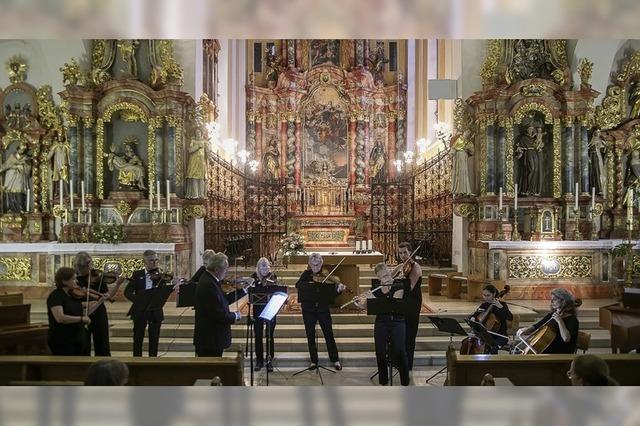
(562, 320)
(492, 305)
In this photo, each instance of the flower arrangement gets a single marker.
(292, 244)
(108, 233)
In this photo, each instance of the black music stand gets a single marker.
(186, 296)
(388, 306)
(482, 333)
(269, 312)
(325, 294)
(450, 326)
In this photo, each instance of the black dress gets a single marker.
(65, 339)
(99, 327)
(503, 315)
(259, 325)
(412, 320)
(559, 346)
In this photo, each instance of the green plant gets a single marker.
(292, 244)
(108, 233)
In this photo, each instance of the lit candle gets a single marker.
(158, 194)
(593, 198)
(151, 198)
(515, 199)
(168, 196)
(500, 200)
(60, 189)
(82, 194)
(370, 245)
(28, 199)
(71, 193)
(577, 195)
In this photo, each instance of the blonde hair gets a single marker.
(261, 261)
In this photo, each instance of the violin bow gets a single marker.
(333, 270)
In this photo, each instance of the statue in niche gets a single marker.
(196, 167)
(598, 164)
(634, 100)
(529, 155)
(271, 160)
(127, 49)
(462, 149)
(16, 171)
(59, 153)
(632, 178)
(376, 63)
(129, 166)
(274, 65)
(377, 160)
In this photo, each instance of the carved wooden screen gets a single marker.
(433, 209)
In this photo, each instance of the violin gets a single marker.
(157, 275)
(97, 276)
(238, 283)
(324, 276)
(80, 293)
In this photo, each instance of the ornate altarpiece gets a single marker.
(324, 122)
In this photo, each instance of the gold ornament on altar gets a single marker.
(585, 69)
(123, 208)
(127, 50)
(17, 69)
(129, 166)
(197, 211)
(71, 73)
(15, 269)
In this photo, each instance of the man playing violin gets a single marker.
(263, 277)
(411, 270)
(312, 313)
(140, 290)
(212, 333)
(562, 320)
(492, 305)
(94, 279)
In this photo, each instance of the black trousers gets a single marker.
(139, 326)
(412, 322)
(259, 326)
(99, 333)
(209, 351)
(69, 346)
(390, 339)
(310, 319)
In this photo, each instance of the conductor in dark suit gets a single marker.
(143, 290)
(213, 319)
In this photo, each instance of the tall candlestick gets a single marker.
(60, 189)
(500, 200)
(28, 199)
(158, 194)
(168, 196)
(630, 209)
(593, 198)
(577, 195)
(151, 198)
(82, 194)
(515, 199)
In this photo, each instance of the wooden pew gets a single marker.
(11, 298)
(435, 284)
(15, 315)
(532, 370)
(454, 284)
(18, 336)
(142, 371)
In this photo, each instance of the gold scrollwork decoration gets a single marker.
(630, 67)
(533, 89)
(533, 267)
(483, 157)
(585, 69)
(153, 124)
(71, 73)
(49, 115)
(508, 125)
(197, 211)
(15, 269)
(17, 68)
(612, 110)
(128, 264)
(123, 207)
(525, 109)
(557, 159)
(464, 209)
(489, 69)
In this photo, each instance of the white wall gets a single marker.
(185, 54)
(473, 53)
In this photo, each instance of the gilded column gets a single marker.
(619, 178)
(367, 144)
(176, 152)
(258, 143)
(612, 181)
(491, 159)
(568, 160)
(298, 136)
(501, 158)
(557, 159)
(294, 162)
(483, 156)
(360, 142)
(99, 158)
(391, 144)
(88, 157)
(74, 142)
(508, 125)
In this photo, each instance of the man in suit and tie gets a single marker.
(144, 291)
(213, 319)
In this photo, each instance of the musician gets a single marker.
(67, 335)
(412, 271)
(313, 313)
(99, 327)
(262, 278)
(562, 319)
(213, 319)
(140, 291)
(493, 305)
(390, 331)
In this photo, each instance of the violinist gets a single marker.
(263, 277)
(95, 280)
(67, 335)
(313, 313)
(412, 271)
(562, 320)
(143, 285)
(492, 305)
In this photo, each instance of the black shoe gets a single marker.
(258, 366)
(313, 366)
(337, 365)
(269, 367)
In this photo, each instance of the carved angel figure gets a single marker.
(271, 159)
(59, 152)
(16, 169)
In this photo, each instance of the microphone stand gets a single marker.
(248, 348)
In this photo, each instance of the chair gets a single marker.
(582, 342)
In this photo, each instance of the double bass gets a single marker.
(472, 345)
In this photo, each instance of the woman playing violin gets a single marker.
(67, 335)
(96, 281)
(492, 305)
(262, 278)
(413, 272)
(562, 320)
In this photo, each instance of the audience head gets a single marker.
(107, 372)
(589, 370)
(315, 262)
(263, 267)
(83, 263)
(151, 260)
(217, 264)
(65, 277)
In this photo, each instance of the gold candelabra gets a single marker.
(577, 236)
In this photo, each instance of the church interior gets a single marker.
(492, 179)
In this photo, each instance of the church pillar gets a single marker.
(567, 142)
(501, 159)
(491, 159)
(584, 159)
(74, 142)
(291, 54)
(391, 147)
(87, 149)
(298, 135)
(293, 162)
(158, 165)
(352, 149)
(367, 144)
(359, 53)
(360, 143)
(508, 178)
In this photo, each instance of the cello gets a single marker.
(538, 341)
(472, 345)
